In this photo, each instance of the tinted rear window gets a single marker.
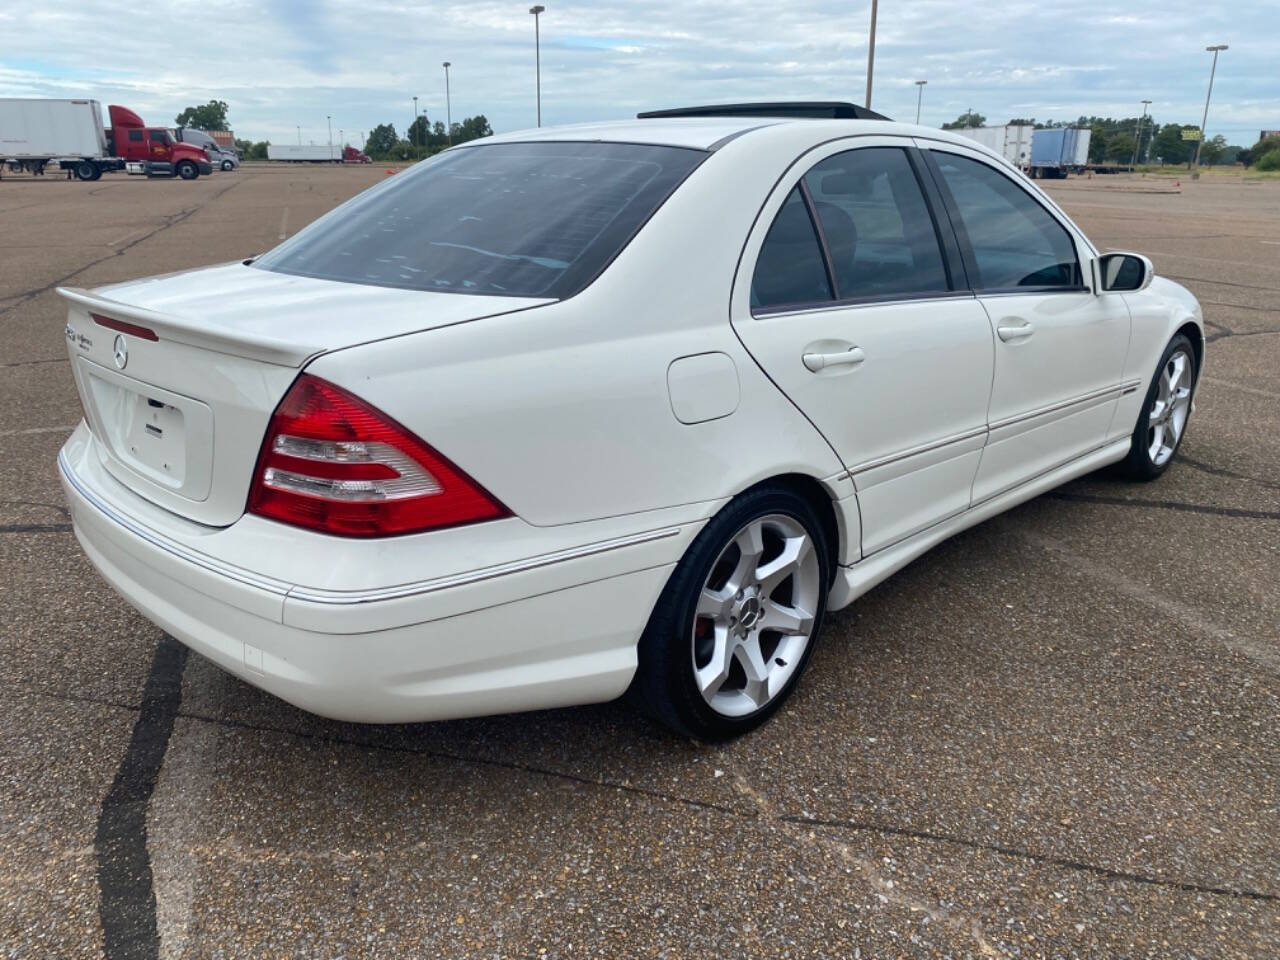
(518, 219)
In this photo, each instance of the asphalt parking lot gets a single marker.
(1057, 735)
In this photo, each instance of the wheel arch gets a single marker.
(816, 493)
(1191, 330)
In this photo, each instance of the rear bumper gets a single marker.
(519, 636)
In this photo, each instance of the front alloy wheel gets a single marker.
(1163, 420)
(739, 617)
(1167, 416)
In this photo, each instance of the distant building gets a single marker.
(223, 138)
(1268, 133)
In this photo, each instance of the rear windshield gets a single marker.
(508, 219)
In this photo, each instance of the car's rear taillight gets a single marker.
(331, 462)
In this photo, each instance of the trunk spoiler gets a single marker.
(192, 332)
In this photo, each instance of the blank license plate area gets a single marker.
(149, 431)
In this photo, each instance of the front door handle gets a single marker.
(817, 362)
(1014, 328)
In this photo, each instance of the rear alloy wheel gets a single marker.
(188, 170)
(1167, 408)
(738, 620)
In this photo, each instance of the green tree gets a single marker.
(1259, 150)
(1120, 148)
(419, 132)
(1213, 150)
(472, 128)
(1097, 143)
(258, 151)
(381, 141)
(1169, 146)
(211, 116)
(1269, 161)
(966, 120)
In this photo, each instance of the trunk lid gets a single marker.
(180, 419)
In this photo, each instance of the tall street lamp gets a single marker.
(299, 134)
(871, 52)
(448, 105)
(329, 121)
(1205, 119)
(537, 9)
(1137, 139)
(919, 96)
(414, 122)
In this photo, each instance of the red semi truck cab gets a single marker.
(154, 147)
(352, 155)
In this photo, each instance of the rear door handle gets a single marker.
(817, 362)
(1014, 328)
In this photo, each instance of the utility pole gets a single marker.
(448, 104)
(414, 124)
(871, 52)
(1205, 119)
(329, 121)
(537, 9)
(919, 96)
(1137, 140)
(299, 134)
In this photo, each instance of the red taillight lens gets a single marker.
(331, 462)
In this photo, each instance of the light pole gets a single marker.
(871, 52)
(448, 104)
(1137, 140)
(537, 9)
(414, 122)
(1205, 119)
(919, 96)
(329, 120)
(299, 134)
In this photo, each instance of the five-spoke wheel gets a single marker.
(1163, 420)
(739, 617)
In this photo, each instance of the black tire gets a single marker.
(87, 170)
(187, 170)
(227, 166)
(1139, 464)
(664, 686)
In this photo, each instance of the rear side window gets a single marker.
(508, 219)
(1016, 243)
(790, 269)
(879, 233)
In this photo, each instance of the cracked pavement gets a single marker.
(1053, 736)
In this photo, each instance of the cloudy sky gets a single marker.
(282, 64)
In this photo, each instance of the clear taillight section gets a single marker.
(331, 462)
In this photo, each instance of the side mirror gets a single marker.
(1124, 272)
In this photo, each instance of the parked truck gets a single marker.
(66, 133)
(70, 135)
(1058, 151)
(1012, 141)
(314, 153)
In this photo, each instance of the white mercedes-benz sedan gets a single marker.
(625, 407)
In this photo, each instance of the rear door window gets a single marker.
(790, 269)
(878, 229)
(508, 219)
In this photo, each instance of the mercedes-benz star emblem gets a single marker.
(121, 350)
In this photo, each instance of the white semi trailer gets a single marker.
(305, 153)
(67, 133)
(1012, 141)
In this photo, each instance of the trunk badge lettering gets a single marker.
(121, 351)
(79, 339)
